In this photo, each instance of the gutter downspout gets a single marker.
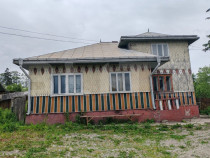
(29, 86)
(151, 85)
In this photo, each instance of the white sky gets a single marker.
(93, 19)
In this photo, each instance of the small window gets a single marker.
(165, 50)
(67, 84)
(114, 83)
(63, 84)
(162, 83)
(71, 83)
(154, 49)
(155, 83)
(127, 82)
(78, 83)
(120, 82)
(160, 49)
(55, 84)
(168, 83)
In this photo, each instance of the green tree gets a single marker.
(202, 83)
(15, 77)
(6, 77)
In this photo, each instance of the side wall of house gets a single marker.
(179, 65)
(96, 78)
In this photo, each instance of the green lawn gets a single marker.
(110, 140)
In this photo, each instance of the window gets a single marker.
(160, 49)
(162, 82)
(120, 82)
(64, 84)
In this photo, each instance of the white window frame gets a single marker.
(156, 44)
(66, 82)
(110, 82)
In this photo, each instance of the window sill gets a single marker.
(116, 92)
(57, 95)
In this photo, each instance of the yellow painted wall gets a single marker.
(93, 82)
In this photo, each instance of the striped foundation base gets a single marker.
(102, 102)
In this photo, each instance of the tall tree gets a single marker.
(15, 77)
(202, 83)
(7, 77)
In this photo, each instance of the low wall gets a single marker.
(184, 112)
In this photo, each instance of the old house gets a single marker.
(147, 76)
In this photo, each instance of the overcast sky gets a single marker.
(98, 19)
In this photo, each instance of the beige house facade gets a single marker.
(146, 71)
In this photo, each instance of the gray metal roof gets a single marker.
(95, 53)
(152, 36)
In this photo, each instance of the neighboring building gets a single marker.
(114, 78)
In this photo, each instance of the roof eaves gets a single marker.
(89, 60)
(124, 40)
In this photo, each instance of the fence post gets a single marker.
(18, 107)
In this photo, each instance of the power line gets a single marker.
(45, 33)
(12, 34)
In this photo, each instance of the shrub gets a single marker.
(206, 111)
(14, 88)
(7, 116)
(150, 121)
(9, 127)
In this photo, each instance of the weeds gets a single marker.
(189, 126)
(176, 126)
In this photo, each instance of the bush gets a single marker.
(8, 121)
(14, 88)
(150, 121)
(9, 127)
(7, 116)
(206, 111)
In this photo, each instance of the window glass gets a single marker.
(168, 83)
(160, 49)
(114, 84)
(78, 83)
(55, 84)
(120, 82)
(127, 82)
(161, 83)
(165, 48)
(154, 49)
(71, 83)
(63, 84)
(155, 83)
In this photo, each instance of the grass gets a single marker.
(78, 140)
